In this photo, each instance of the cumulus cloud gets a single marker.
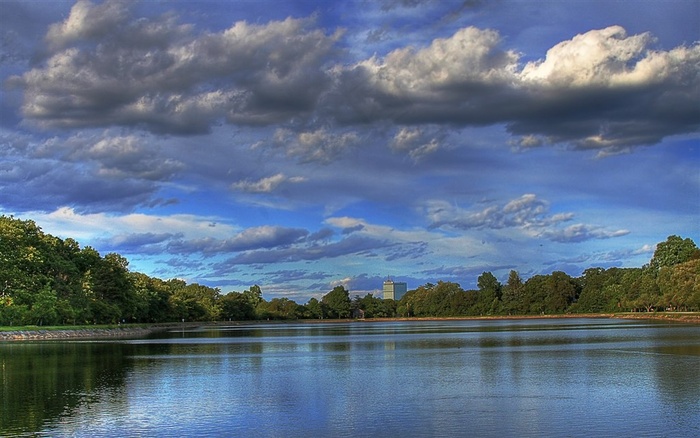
(600, 90)
(527, 213)
(109, 68)
(453, 80)
(87, 21)
(598, 57)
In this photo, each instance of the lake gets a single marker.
(488, 378)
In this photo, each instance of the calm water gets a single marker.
(577, 377)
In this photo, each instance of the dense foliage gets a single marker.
(46, 280)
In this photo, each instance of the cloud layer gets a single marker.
(603, 89)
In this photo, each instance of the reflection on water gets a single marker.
(577, 377)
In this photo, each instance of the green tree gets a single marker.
(648, 296)
(313, 309)
(376, 307)
(673, 251)
(534, 294)
(196, 302)
(679, 284)
(561, 291)
(337, 303)
(254, 295)
(511, 296)
(236, 307)
(489, 294)
(111, 285)
(279, 308)
(43, 311)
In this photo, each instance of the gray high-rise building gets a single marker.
(393, 290)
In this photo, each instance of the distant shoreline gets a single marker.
(136, 332)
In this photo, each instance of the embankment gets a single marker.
(123, 332)
(80, 333)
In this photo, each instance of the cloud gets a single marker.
(87, 21)
(353, 244)
(606, 90)
(29, 184)
(102, 227)
(580, 233)
(250, 239)
(117, 156)
(601, 90)
(138, 242)
(266, 185)
(92, 171)
(415, 142)
(319, 146)
(108, 68)
(453, 80)
(527, 213)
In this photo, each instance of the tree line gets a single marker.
(45, 280)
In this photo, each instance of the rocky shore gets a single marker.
(86, 333)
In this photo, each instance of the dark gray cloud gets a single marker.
(107, 68)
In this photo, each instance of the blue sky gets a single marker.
(301, 145)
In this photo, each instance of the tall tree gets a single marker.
(489, 294)
(673, 251)
(337, 302)
(512, 294)
(313, 309)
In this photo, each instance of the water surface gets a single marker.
(565, 377)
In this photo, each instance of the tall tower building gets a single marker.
(393, 290)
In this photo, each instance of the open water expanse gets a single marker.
(495, 378)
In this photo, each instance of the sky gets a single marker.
(305, 144)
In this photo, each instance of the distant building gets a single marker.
(393, 290)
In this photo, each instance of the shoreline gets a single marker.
(126, 332)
